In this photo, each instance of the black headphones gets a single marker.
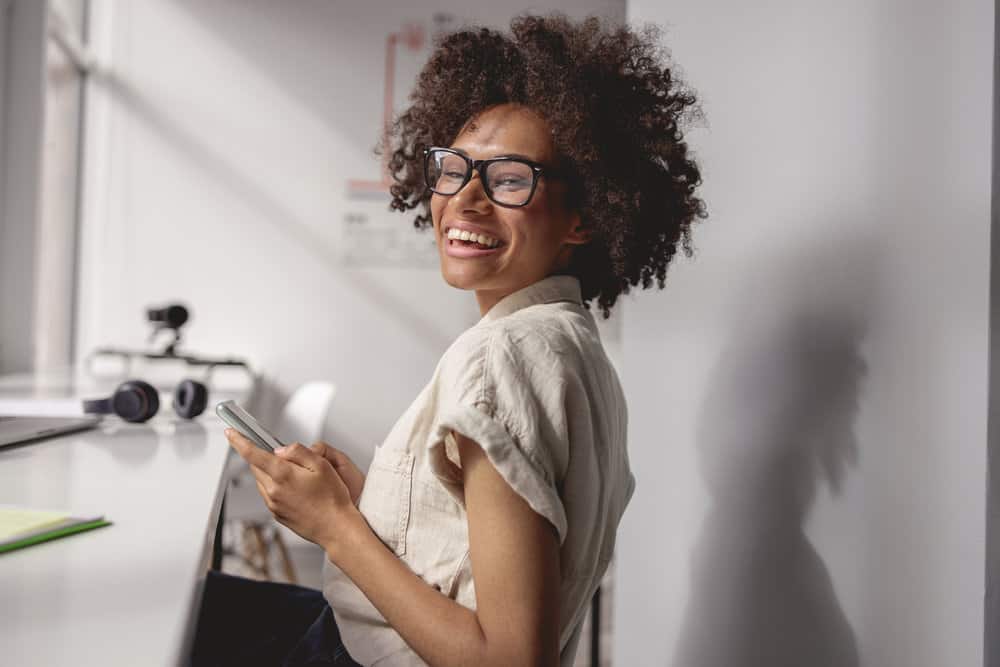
(137, 401)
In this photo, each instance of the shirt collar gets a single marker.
(547, 290)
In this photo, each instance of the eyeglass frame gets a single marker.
(480, 167)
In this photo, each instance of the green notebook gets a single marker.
(22, 528)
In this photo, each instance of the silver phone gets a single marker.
(243, 421)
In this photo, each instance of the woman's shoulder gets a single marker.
(562, 329)
(543, 335)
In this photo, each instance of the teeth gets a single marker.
(481, 239)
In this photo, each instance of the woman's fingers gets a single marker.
(337, 458)
(251, 453)
(264, 481)
(300, 455)
(331, 454)
(263, 493)
(349, 473)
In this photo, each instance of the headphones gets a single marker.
(136, 401)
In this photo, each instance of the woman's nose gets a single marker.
(472, 197)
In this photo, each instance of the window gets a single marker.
(44, 66)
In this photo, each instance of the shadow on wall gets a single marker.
(778, 420)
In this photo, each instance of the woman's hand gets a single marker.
(350, 473)
(302, 489)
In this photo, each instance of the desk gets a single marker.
(127, 594)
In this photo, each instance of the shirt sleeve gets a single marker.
(509, 398)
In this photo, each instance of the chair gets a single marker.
(301, 420)
(305, 412)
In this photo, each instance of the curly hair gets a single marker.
(616, 113)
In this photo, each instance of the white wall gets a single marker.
(4, 43)
(808, 395)
(220, 141)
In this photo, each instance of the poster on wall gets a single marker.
(371, 235)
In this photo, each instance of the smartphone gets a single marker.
(244, 422)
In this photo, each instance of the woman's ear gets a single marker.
(578, 233)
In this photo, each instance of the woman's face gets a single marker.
(534, 240)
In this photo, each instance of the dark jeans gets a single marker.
(266, 624)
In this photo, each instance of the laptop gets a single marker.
(14, 430)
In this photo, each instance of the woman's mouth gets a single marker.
(460, 243)
(470, 239)
(466, 249)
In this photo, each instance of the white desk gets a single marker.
(127, 594)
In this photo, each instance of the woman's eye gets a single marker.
(510, 181)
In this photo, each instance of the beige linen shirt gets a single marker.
(531, 383)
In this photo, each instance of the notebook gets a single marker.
(22, 527)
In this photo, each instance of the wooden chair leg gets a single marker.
(262, 550)
(286, 560)
(246, 550)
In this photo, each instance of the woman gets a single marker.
(550, 165)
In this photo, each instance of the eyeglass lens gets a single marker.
(507, 181)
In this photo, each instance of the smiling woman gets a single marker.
(596, 104)
(551, 168)
(550, 165)
(520, 203)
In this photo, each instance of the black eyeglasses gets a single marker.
(507, 181)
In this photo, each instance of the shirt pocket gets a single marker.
(438, 534)
(385, 498)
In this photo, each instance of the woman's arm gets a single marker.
(515, 566)
(514, 553)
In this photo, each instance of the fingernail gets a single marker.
(279, 449)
